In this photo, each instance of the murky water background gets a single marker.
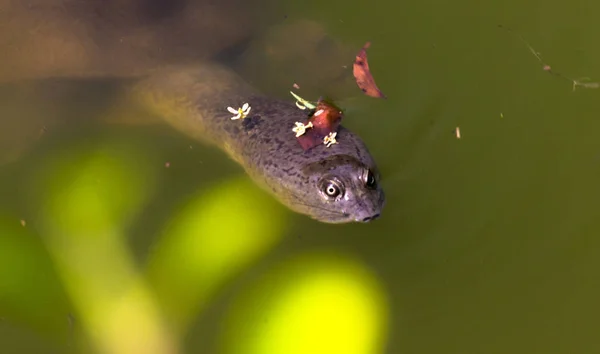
(488, 243)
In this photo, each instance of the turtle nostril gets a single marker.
(370, 218)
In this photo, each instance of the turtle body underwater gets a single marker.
(191, 91)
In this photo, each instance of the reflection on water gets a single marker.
(487, 244)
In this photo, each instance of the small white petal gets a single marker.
(247, 111)
(318, 112)
(232, 110)
(330, 139)
(300, 105)
(245, 106)
(238, 116)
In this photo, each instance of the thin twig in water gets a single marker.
(576, 83)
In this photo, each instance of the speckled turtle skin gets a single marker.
(195, 100)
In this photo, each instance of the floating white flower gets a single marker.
(330, 139)
(300, 128)
(240, 112)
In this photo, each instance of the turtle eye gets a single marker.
(369, 179)
(332, 188)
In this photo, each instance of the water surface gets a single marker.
(487, 243)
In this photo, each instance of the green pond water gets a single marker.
(487, 244)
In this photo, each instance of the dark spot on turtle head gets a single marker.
(250, 122)
(358, 153)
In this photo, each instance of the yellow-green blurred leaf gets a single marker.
(316, 303)
(213, 237)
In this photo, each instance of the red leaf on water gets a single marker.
(363, 76)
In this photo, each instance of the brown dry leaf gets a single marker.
(363, 76)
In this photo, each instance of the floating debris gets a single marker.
(23, 223)
(302, 103)
(576, 82)
(457, 132)
(363, 76)
(296, 86)
(323, 119)
(167, 164)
